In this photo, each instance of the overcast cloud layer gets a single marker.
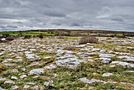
(99, 14)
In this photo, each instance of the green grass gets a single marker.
(28, 33)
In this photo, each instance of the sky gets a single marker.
(96, 14)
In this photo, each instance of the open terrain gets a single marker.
(53, 61)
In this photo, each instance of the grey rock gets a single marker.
(23, 76)
(31, 57)
(15, 87)
(124, 64)
(92, 81)
(95, 49)
(2, 53)
(49, 67)
(127, 58)
(80, 46)
(106, 58)
(2, 79)
(68, 60)
(107, 74)
(30, 83)
(26, 87)
(14, 78)
(71, 63)
(1, 88)
(129, 71)
(48, 83)
(36, 71)
(106, 55)
(35, 88)
(14, 71)
(7, 60)
(9, 82)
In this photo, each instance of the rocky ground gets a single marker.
(60, 63)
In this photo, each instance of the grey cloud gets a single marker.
(110, 14)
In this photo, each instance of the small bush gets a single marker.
(27, 36)
(120, 36)
(40, 36)
(6, 35)
(90, 39)
(10, 38)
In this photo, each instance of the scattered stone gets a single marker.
(124, 64)
(1, 88)
(107, 74)
(47, 57)
(105, 55)
(127, 58)
(30, 83)
(26, 87)
(68, 63)
(106, 58)
(3, 39)
(33, 64)
(68, 60)
(2, 53)
(15, 87)
(2, 79)
(36, 71)
(23, 69)
(92, 81)
(7, 60)
(31, 57)
(80, 46)
(10, 64)
(14, 78)
(9, 82)
(95, 49)
(14, 71)
(50, 67)
(23, 76)
(35, 87)
(129, 71)
(48, 83)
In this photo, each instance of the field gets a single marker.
(55, 60)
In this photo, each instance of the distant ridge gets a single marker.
(87, 30)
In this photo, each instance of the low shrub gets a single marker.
(27, 36)
(40, 36)
(10, 38)
(88, 39)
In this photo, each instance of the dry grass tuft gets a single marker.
(2, 68)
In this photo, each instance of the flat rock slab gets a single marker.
(38, 71)
(106, 58)
(31, 57)
(67, 59)
(90, 81)
(127, 58)
(124, 64)
(107, 74)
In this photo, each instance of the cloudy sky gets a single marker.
(98, 14)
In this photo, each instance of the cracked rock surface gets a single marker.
(54, 63)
